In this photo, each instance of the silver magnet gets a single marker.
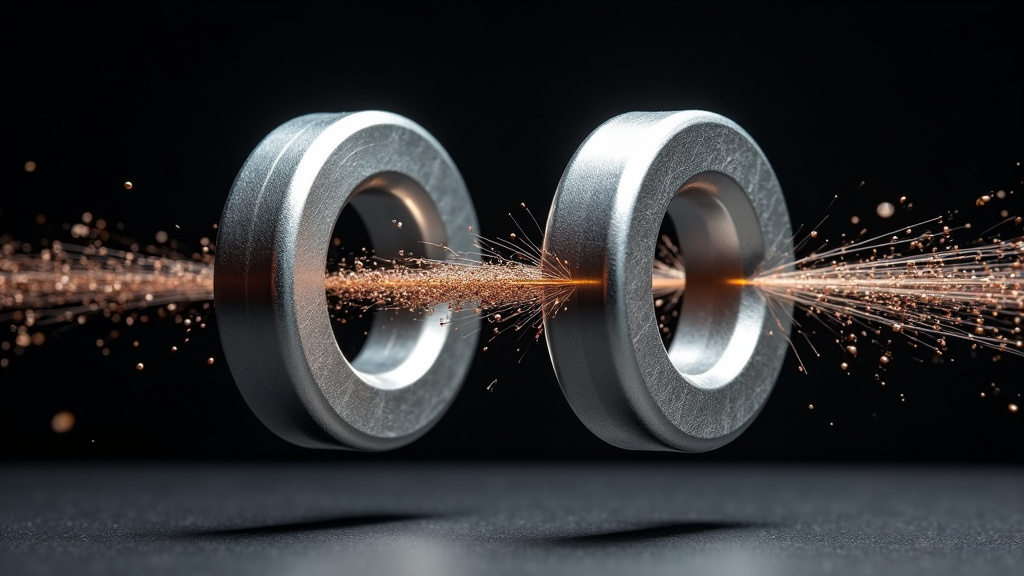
(726, 205)
(269, 280)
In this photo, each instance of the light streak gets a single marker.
(925, 286)
(920, 283)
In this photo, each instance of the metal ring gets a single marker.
(716, 185)
(269, 280)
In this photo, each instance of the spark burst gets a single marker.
(920, 283)
(504, 281)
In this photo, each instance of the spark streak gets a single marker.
(924, 286)
(65, 282)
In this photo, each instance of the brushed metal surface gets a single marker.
(269, 280)
(712, 180)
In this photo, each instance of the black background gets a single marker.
(867, 102)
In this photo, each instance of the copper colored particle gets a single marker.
(62, 422)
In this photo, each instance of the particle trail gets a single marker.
(504, 282)
(919, 282)
(925, 286)
(501, 289)
(66, 282)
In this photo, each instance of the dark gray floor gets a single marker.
(451, 519)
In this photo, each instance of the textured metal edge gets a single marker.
(606, 351)
(269, 295)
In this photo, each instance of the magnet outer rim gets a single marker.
(604, 222)
(269, 283)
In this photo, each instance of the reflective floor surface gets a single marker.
(509, 518)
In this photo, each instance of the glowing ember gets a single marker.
(885, 210)
(62, 422)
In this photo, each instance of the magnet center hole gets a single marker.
(392, 217)
(720, 243)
